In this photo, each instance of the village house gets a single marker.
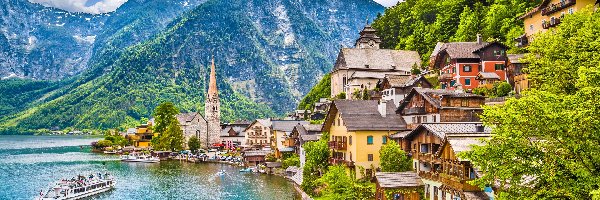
(547, 15)
(360, 68)
(320, 109)
(358, 129)
(516, 76)
(143, 135)
(460, 63)
(234, 133)
(398, 185)
(433, 148)
(258, 134)
(301, 134)
(424, 105)
(192, 124)
(281, 131)
(395, 88)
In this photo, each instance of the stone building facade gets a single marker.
(192, 124)
(212, 112)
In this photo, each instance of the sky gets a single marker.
(387, 3)
(86, 6)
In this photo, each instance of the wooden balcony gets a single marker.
(551, 23)
(337, 145)
(457, 183)
(341, 161)
(552, 8)
(428, 157)
(434, 176)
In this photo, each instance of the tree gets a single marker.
(502, 89)
(293, 160)
(317, 161)
(170, 136)
(393, 159)
(194, 144)
(337, 184)
(164, 115)
(546, 144)
(103, 144)
(176, 136)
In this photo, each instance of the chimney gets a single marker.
(479, 40)
(382, 107)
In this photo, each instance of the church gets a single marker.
(207, 128)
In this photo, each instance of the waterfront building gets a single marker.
(361, 67)
(398, 185)
(192, 124)
(433, 148)
(302, 134)
(234, 133)
(258, 134)
(212, 112)
(459, 63)
(358, 129)
(281, 134)
(255, 157)
(143, 135)
(424, 105)
(395, 88)
(548, 15)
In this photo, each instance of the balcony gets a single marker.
(445, 77)
(551, 23)
(457, 183)
(428, 157)
(552, 8)
(414, 110)
(337, 145)
(434, 176)
(341, 161)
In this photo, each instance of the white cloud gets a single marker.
(100, 6)
(388, 3)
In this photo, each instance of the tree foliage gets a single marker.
(194, 144)
(321, 90)
(393, 159)
(293, 160)
(419, 24)
(546, 144)
(317, 161)
(336, 184)
(170, 136)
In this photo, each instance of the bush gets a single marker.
(293, 160)
(103, 144)
(502, 89)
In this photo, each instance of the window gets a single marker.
(424, 119)
(434, 120)
(369, 139)
(467, 68)
(384, 140)
(479, 67)
(419, 119)
(571, 10)
(531, 27)
(344, 80)
(350, 140)
(424, 148)
(370, 157)
(447, 102)
(464, 103)
(499, 66)
(467, 81)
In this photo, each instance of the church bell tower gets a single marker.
(212, 110)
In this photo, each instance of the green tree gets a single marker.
(545, 144)
(176, 136)
(103, 144)
(194, 144)
(321, 90)
(170, 136)
(393, 159)
(337, 184)
(317, 161)
(502, 89)
(164, 115)
(293, 160)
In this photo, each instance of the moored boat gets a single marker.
(78, 188)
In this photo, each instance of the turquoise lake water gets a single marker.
(29, 163)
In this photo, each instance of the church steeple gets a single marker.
(368, 38)
(212, 110)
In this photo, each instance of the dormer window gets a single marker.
(367, 66)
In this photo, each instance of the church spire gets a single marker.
(212, 87)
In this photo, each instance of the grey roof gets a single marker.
(488, 75)
(515, 58)
(286, 149)
(256, 153)
(461, 49)
(307, 138)
(372, 74)
(238, 128)
(286, 125)
(185, 117)
(364, 115)
(398, 179)
(264, 122)
(437, 49)
(480, 195)
(400, 134)
(377, 59)
(308, 129)
(441, 129)
(433, 96)
(460, 144)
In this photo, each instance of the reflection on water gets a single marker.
(30, 163)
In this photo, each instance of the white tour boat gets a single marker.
(139, 158)
(78, 188)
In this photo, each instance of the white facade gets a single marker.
(417, 119)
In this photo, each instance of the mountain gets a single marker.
(44, 43)
(268, 54)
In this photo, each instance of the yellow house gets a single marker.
(547, 15)
(143, 135)
(358, 129)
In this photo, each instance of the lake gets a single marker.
(30, 163)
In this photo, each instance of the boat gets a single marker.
(128, 158)
(246, 170)
(140, 158)
(150, 159)
(78, 187)
(110, 152)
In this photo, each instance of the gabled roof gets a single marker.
(263, 122)
(377, 59)
(364, 115)
(442, 129)
(398, 179)
(400, 81)
(433, 96)
(186, 117)
(237, 128)
(462, 49)
(286, 125)
(487, 75)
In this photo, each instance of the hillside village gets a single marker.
(380, 96)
